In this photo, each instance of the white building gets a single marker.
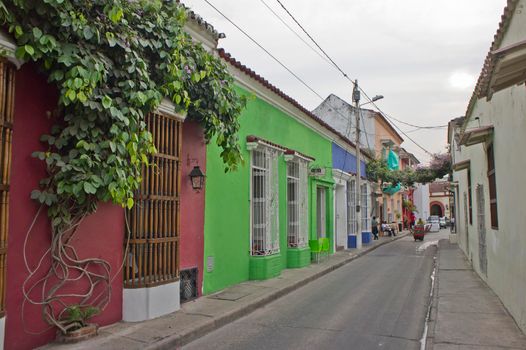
(421, 201)
(340, 115)
(487, 149)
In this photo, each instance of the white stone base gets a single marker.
(359, 241)
(139, 304)
(453, 238)
(2, 330)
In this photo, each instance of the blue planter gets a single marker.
(351, 241)
(366, 237)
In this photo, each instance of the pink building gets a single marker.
(25, 101)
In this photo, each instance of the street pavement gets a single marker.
(465, 313)
(377, 297)
(379, 301)
(203, 315)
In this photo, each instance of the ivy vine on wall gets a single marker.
(113, 62)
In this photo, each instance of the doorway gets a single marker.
(340, 200)
(436, 209)
(321, 212)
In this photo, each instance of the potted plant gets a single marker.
(74, 324)
(398, 216)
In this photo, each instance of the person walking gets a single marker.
(374, 224)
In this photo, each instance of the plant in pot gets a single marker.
(398, 216)
(75, 326)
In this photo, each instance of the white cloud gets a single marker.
(461, 80)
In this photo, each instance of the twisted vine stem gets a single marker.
(112, 63)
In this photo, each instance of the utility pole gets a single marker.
(358, 196)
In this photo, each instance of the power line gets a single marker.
(262, 48)
(294, 32)
(396, 126)
(314, 41)
(298, 78)
(417, 126)
(348, 128)
(345, 74)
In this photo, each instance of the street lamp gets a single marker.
(197, 178)
(374, 99)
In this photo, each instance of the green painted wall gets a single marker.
(227, 208)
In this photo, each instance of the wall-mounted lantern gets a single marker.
(197, 178)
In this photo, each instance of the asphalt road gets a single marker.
(378, 301)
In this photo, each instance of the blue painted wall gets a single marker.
(343, 160)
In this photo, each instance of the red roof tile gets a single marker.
(483, 80)
(228, 58)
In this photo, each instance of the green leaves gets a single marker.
(113, 63)
(87, 32)
(89, 188)
(440, 165)
(37, 33)
(111, 39)
(106, 102)
(115, 14)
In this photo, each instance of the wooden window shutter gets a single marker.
(492, 188)
(7, 104)
(153, 249)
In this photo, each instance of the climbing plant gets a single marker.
(112, 63)
(439, 166)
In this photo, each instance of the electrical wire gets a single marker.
(301, 80)
(343, 72)
(396, 126)
(294, 32)
(349, 124)
(312, 39)
(262, 48)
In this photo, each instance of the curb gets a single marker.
(178, 340)
(431, 322)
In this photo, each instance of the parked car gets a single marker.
(435, 223)
(443, 222)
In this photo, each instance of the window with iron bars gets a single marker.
(352, 224)
(365, 208)
(153, 235)
(7, 102)
(264, 202)
(297, 203)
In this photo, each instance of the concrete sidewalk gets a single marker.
(199, 317)
(465, 313)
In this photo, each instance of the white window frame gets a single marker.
(352, 224)
(364, 192)
(321, 212)
(297, 209)
(266, 241)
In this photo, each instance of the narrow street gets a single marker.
(377, 301)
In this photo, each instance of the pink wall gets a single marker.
(100, 235)
(192, 202)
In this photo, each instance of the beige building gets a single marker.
(439, 198)
(487, 149)
(387, 207)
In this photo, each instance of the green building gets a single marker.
(259, 219)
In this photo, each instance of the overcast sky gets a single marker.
(424, 56)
